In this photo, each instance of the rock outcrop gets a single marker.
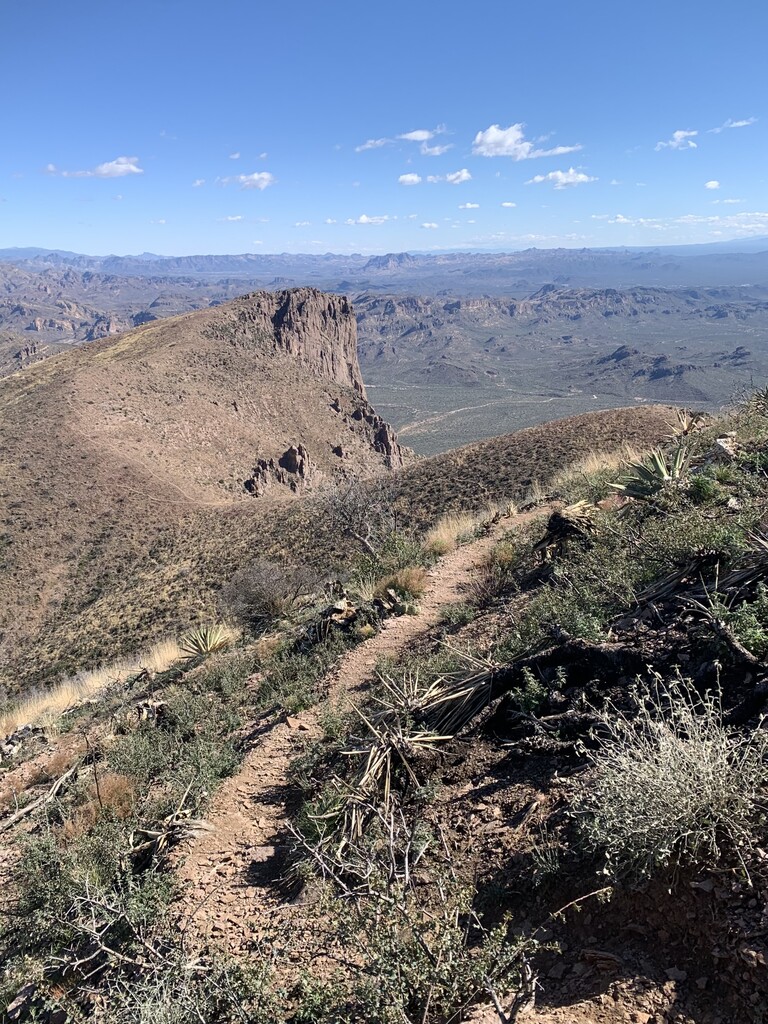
(294, 469)
(315, 328)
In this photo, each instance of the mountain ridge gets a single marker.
(128, 447)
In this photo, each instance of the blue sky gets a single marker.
(182, 126)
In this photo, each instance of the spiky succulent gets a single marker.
(688, 422)
(647, 476)
(205, 640)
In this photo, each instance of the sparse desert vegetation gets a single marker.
(463, 701)
(384, 543)
(535, 681)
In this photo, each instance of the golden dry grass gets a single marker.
(46, 707)
(411, 581)
(596, 462)
(109, 791)
(448, 532)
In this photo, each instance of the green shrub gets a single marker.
(413, 963)
(454, 616)
(291, 678)
(64, 888)
(749, 622)
(399, 551)
(670, 782)
(704, 490)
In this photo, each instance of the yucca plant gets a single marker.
(197, 643)
(687, 422)
(648, 476)
(574, 522)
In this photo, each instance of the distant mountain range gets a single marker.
(457, 346)
(741, 263)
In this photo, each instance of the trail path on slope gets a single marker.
(230, 876)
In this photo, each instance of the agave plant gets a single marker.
(687, 422)
(647, 476)
(205, 640)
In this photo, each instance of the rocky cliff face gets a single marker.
(317, 329)
(318, 332)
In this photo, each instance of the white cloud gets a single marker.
(117, 198)
(430, 225)
(160, 221)
(263, 156)
(409, 179)
(198, 182)
(680, 140)
(562, 179)
(120, 167)
(418, 135)
(234, 156)
(302, 223)
(423, 136)
(234, 218)
(365, 219)
(733, 124)
(712, 184)
(469, 206)
(511, 142)
(614, 181)
(744, 224)
(634, 222)
(509, 206)
(371, 144)
(329, 220)
(455, 178)
(257, 241)
(259, 180)
(728, 202)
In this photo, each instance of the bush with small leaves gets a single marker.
(670, 783)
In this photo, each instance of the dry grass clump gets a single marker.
(409, 582)
(111, 793)
(670, 782)
(449, 531)
(595, 463)
(46, 706)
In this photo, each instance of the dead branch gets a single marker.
(52, 793)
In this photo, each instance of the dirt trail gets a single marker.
(230, 876)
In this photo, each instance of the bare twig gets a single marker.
(52, 793)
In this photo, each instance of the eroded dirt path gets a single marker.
(231, 876)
